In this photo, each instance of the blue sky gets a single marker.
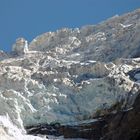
(29, 18)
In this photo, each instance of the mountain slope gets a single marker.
(72, 75)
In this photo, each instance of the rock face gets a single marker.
(73, 75)
(124, 125)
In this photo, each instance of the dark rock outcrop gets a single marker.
(124, 125)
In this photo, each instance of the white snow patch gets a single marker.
(126, 26)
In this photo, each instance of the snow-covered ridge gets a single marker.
(67, 75)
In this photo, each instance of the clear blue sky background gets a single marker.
(29, 18)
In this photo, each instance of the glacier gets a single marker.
(68, 75)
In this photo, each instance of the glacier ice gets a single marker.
(67, 75)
